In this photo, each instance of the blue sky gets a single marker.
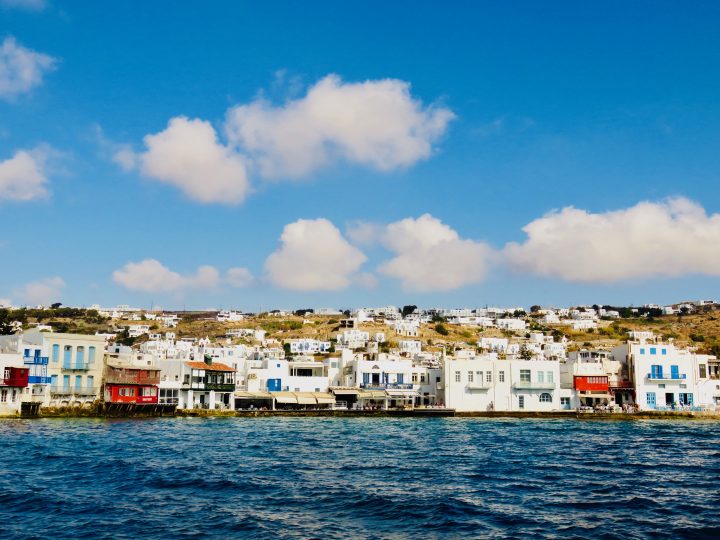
(491, 116)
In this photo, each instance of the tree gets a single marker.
(6, 328)
(408, 310)
(525, 353)
(440, 329)
(56, 305)
(535, 308)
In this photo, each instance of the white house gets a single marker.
(486, 383)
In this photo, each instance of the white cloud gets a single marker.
(373, 123)
(188, 156)
(45, 291)
(666, 239)
(30, 5)
(151, 276)
(364, 233)
(21, 69)
(313, 256)
(430, 256)
(22, 177)
(239, 277)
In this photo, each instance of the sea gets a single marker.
(358, 478)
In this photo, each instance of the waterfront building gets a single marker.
(74, 366)
(13, 383)
(486, 383)
(201, 384)
(664, 376)
(130, 377)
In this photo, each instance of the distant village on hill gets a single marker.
(583, 358)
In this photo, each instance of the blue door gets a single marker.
(274, 385)
(651, 399)
(674, 372)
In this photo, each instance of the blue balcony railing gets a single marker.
(38, 379)
(387, 386)
(660, 376)
(35, 360)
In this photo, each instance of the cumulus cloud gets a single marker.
(313, 256)
(21, 69)
(373, 123)
(378, 124)
(23, 177)
(431, 256)
(239, 277)
(187, 155)
(151, 276)
(43, 292)
(665, 239)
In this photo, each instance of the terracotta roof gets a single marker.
(211, 367)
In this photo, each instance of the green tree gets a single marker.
(441, 329)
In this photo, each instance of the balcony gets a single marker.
(386, 386)
(529, 385)
(35, 360)
(220, 387)
(76, 366)
(132, 378)
(74, 390)
(660, 376)
(38, 379)
(478, 385)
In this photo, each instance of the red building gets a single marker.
(131, 384)
(15, 377)
(591, 383)
(12, 383)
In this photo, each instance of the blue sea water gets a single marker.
(358, 478)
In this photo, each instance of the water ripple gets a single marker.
(358, 477)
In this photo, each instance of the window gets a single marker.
(664, 351)
(501, 376)
(422, 378)
(457, 376)
(642, 351)
(27, 353)
(78, 381)
(55, 352)
(80, 355)
(549, 377)
(488, 376)
(703, 371)
(148, 391)
(91, 354)
(3, 396)
(521, 402)
(674, 372)
(67, 354)
(565, 401)
(90, 381)
(524, 375)
(414, 377)
(656, 371)
(541, 377)
(653, 350)
(651, 399)
(545, 398)
(470, 376)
